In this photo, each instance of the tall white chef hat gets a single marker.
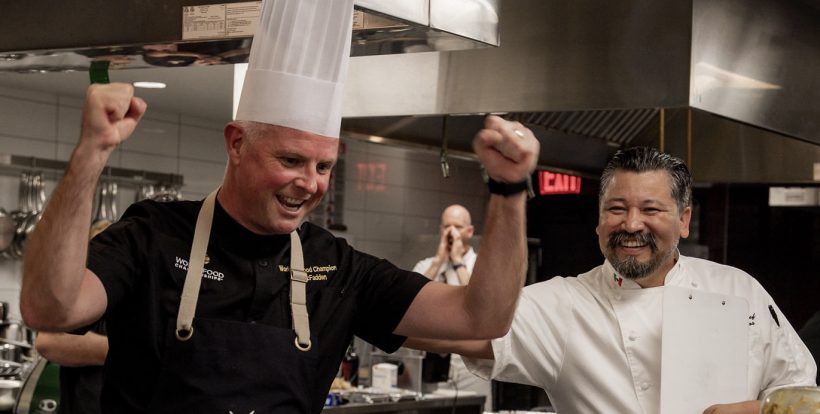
(298, 65)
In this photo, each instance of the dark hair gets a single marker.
(643, 159)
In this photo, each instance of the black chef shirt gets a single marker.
(80, 386)
(142, 262)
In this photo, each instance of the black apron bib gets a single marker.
(240, 368)
(233, 367)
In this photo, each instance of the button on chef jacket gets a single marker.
(593, 342)
(142, 262)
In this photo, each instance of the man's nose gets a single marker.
(309, 182)
(634, 221)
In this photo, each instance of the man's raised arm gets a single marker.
(484, 308)
(58, 292)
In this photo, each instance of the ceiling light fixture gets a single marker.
(149, 85)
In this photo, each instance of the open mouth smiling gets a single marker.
(290, 203)
(633, 244)
(626, 240)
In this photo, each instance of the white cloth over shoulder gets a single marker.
(592, 342)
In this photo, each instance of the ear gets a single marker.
(470, 231)
(685, 218)
(234, 138)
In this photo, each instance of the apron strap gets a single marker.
(196, 265)
(298, 297)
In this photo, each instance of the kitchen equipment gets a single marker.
(31, 201)
(10, 369)
(106, 207)
(11, 352)
(20, 216)
(15, 331)
(165, 194)
(17, 351)
(8, 393)
(41, 389)
(17, 346)
(792, 400)
(384, 376)
(38, 203)
(6, 230)
(143, 192)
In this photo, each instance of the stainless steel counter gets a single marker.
(473, 404)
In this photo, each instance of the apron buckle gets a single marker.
(299, 346)
(186, 334)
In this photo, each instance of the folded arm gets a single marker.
(478, 348)
(73, 350)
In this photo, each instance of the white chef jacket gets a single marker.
(461, 378)
(593, 342)
(446, 273)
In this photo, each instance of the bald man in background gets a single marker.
(453, 265)
(454, 259)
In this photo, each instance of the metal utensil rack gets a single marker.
(53, 169)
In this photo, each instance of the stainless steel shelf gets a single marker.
(13, 164)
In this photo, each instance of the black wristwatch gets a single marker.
(508, 189)
(456, 266)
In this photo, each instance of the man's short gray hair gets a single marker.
(253, 129)
(644, 159)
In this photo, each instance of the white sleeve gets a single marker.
(422, 266)
(532, 351)
(785, 359)
(789, 361)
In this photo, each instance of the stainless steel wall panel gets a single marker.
(758, 61)
(416, 11)
(475, 19)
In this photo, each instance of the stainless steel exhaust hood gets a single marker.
(590, 76)
(47, 36)
(750, 69)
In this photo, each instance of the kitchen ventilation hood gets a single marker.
(735, 84)
(730, 85)
(47, 36)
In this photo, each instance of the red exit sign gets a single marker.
(554, 183)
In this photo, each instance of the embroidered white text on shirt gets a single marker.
(314, 272)
(206, 273)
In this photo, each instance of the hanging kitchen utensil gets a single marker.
(445, 163)
(38, 201)
(166, 194)
(101, 217)
(144, 191)
(6, 230)
(21, 215)
(111, 202)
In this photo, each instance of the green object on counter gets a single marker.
(48, 388)
(98, 72)
(41, 390)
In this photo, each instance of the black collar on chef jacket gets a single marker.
(228, 234)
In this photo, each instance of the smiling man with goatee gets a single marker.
(602, 342)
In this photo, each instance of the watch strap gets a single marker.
(508, 189)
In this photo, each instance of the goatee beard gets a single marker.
(630, 267)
